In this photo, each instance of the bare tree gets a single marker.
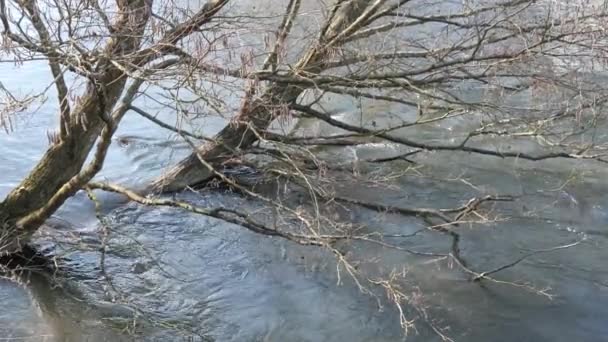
(507, 48)
(530, 60)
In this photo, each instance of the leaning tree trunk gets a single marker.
(67, 154)
(259, 114)
(240, 134)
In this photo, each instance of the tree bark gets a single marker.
(259, 113)
(65, 157)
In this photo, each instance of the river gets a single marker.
(178, 276)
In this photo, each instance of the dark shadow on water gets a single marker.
(28, 259)
(49, 303)
(45, 309)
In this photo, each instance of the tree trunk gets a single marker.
(260, 114)
(65, 158)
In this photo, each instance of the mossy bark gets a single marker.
(66, 156)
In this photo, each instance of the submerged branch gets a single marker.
(484, 275)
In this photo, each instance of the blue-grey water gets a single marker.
(184, 275)
(178, 276)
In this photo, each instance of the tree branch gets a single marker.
(432, 147)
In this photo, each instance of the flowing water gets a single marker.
(185, 276)
(178, 276)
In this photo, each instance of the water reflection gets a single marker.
(40, 305)
(21, 319)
